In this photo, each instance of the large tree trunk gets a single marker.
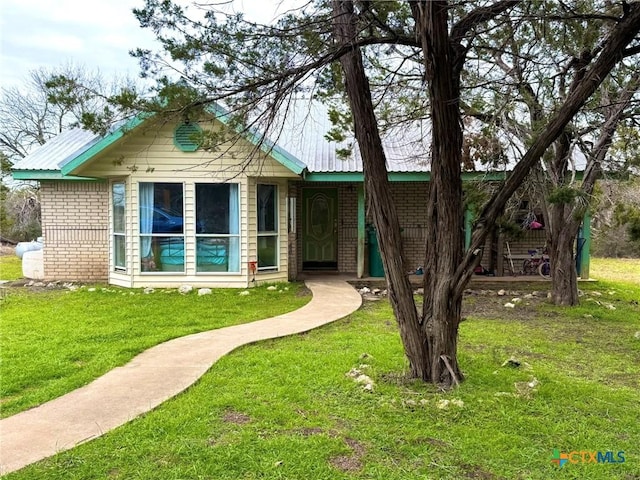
(378, 192)
(562, 228)
(442, 305)
(561, 238)
(430, 343)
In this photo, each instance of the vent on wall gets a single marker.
(186, 137)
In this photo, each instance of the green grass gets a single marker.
(616, 269)
(10, 267)
(54, 341)
(286, 409)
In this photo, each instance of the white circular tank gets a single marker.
(33, 264)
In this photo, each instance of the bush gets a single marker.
(20, 219)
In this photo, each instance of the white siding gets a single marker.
(148, 151)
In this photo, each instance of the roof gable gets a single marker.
(62, 156)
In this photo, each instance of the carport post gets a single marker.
(468, 220)
(586, 246)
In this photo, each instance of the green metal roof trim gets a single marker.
(104, 143)
(46, 175)
(397, 176)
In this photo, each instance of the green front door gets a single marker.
(320, 227)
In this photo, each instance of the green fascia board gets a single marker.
(46, 175)
(358, 177)
(104, 143)
(397, 176)
(333, 177)
(279, 154)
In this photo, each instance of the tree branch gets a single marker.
(612, 52)
(477, 16)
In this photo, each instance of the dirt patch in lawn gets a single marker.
(477, 473)
(303, 292)
(504, 304)
(523, 303)
(352, 462)
(237, 418)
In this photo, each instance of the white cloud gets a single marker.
(47, 41)
(96, 34)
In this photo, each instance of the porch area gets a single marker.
(330, 231)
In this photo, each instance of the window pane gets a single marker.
(217, 208)
(212, 254)
(161, 208)
(267, 217)
(118, 207)
(166, 254)
(119, 251)
(217, 214)
(268, 252)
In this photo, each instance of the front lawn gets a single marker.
(10, 267)
(54, 340)
(289, 409)
(616, 269)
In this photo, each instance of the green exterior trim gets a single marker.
(283, 157)
(586, 246)
(333, 177)
(468, 223)
(46, 175)
(360, 249)
(358, 177)
(279, 154)
(102, 144)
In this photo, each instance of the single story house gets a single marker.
(146, 205)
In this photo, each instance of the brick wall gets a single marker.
(411, 203)
(347, 228)
(518, 246)
(529, 240)
(75, 230)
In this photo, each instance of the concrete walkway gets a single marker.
(153, 377)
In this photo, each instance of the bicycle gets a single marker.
(537, 263)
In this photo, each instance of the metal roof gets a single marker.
(302, 131)
(61, 149)
(297, 139)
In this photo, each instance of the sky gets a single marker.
(93, 34)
